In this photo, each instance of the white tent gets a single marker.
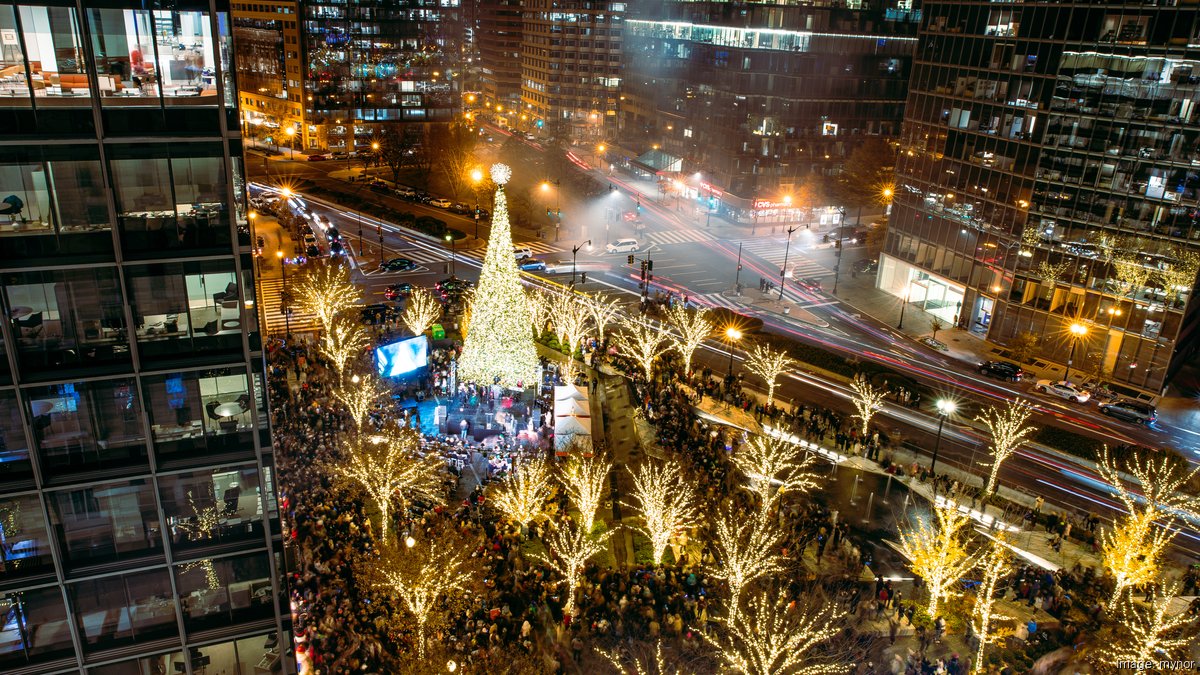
(572, 407)
(570, 391)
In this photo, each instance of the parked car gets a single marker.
(623, 246)
(440, 203)
(459, 207)
(1062, 389)
(398, 291)
(522, 252)
(339, 155)
(1003, 370)
(318, 158)
(866, 266)
(398, 265)
(1130, 411)
(532, 265)
(406, 193)
(483, 214)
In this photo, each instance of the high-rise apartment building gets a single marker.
(570, 67)
(756, 96)
(371, 63)
(139, 530)
(498, 36)
(269, 67)
(1047, 182)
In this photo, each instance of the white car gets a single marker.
(1062, 389)
(440, 203)
(623, 246)
(522, 252)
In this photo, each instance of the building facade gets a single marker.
(570, 68)
(267, 58)
(372, 63)
(498, 37)
(757, 96)
(139, 530)
(1047, 181)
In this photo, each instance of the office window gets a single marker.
(186, 50)
(106, 523)
(170, 199)
(86, 426)
(186, 308)
(258, 654)
(34, 627)
(218, 592)
(211, 506)
(195, 415)
(24, 548)
(55, 54)
(14, 448)
(66, 318)
(127, 65)
(14, 82)
(123, 609)
(52, 191)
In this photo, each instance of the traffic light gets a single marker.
(630, 259)
(548, 213)
(649, 265)
(583, 277)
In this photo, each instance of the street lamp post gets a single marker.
(1078, 332)
(574, 251)
(476, 177)
(903, 304)
(453, 270)
(291, 136)
(786, 250)
(285, 299)
(733, 335)
(945, 409)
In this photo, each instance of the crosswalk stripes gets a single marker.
(775, 250)
(271, 294)
(538, 248)
(717, 300)
(679, 237)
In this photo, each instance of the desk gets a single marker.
(229, 409)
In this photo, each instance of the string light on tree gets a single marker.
(1008, 431)
(569, 314)
(769, 364)
(643, 343)
(421, 311)
(499, 348)
(667, 502)
(326, 291)
(996, 567)
(584, 479)
(867, 400)
(341, 343)
(746, 550)
(691, 328)
(773, 467)
(1153, 633)
(360, 396)
(569, 548)
(521, 496)
(937, 552)
(605, 309)
(775, 636)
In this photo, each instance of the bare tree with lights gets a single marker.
(775, 636)
(522, 494)
(569, 548)
(387, 465)
(691, 328)
(631, 658)
(360, 396)
(423, 572)
(1008, 431)
(996, 567)
(421, 311)
(1151, 633)
(341, 343)
(938, 552)
(867, 400)
(769, 364)
(747, 549)
(326, 291)
(605, 310)
(667, 502)
(643, 343)
(584, 479)
(540, 309)
(570, 316)
(1131, 550)
(773, 467)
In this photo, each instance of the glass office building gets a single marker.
(139, 530)
(1048, 182)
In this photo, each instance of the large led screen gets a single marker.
(400, 358)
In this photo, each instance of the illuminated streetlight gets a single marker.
(410, 542)
(945, 408)
(1078, 332)
(290, 132)
(476, 178)
(733, 335)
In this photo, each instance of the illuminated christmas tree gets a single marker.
(498, 348)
